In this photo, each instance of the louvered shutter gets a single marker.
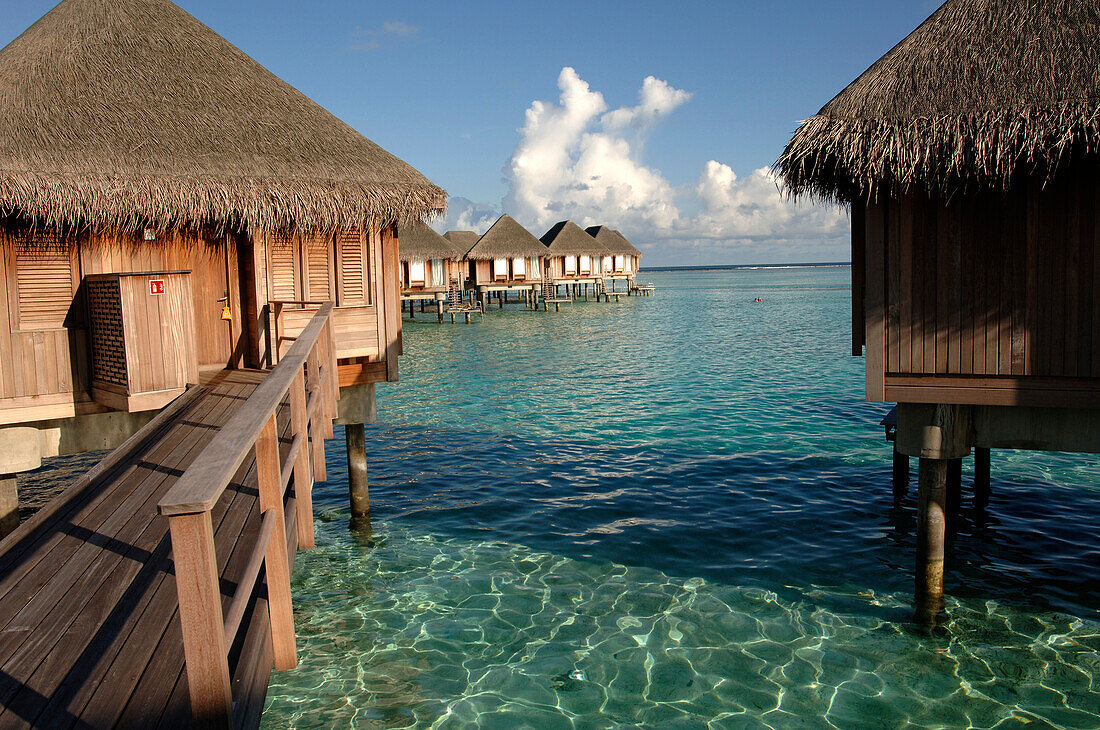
(44, 278)
(282, 268)
(317, 268)
(354, 266)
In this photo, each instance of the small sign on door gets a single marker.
(156, 286)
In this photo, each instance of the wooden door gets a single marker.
(210, 262)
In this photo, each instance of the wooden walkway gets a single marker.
(214, 492)
(91, 633)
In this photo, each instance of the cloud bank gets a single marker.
(579, 159)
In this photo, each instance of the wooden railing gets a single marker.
(307, 377)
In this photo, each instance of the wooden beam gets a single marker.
(200, 606)
(276, 563)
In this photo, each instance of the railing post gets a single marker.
(303, 480)
(200, 602)
(327, 349)
(276, 563)
(316, 430)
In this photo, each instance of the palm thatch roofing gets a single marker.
(506, 239)
(462, 241)
(613, 241)
(418, 242)
(982, 90)
(567, 238)
(131, 113)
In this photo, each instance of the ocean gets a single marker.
(676, 512)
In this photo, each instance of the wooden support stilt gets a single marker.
(901, 474)
(557, 307)
(931, 534)
(500, 300)
(9, 504)
(467, 318)
(439, 309)
(954, 485)
(422, 306)
(412, 309)
(981, 478)
(355, 439)
(452, 317)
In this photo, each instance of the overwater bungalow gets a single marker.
(968, 156)
(621, 261)
(574, 258)
(174, 215)
(461, 241)
(426, 266)
(507, 258)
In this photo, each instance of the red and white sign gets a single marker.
(156, 286)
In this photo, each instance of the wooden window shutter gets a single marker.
(354, 263)
(319, 268)
(44, 276)
(282, 267)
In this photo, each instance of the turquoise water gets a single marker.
(676, 512)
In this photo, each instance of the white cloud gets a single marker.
(755, 208)
(390, 34)
(578, 159)
(464, 214)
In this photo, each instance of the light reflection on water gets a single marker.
(675, 512)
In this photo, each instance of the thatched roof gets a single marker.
(131, 113)
(567, 238)
(983, 89)
(506, 239)
(417, 242)
(462, 241)
(613, 241)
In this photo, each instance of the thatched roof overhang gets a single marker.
(980, 92)
(568, 239)
(416, 241)
(462, 241)
(613, 241)
(129, 114)
(506, 239)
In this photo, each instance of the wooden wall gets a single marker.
(361, 269)
(45, 360)
(987, 298)
(481, 273)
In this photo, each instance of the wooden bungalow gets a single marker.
(171, 208)
(574, 258)
(507, 258)
(620, 263)
(462, 241)
(426, 266)
(969, 157)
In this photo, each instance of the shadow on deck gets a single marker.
(90, 626)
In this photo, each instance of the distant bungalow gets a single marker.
(426, 261)
(462, 242)
(574, 258)
(621, 261)
(968, 154)
(507, 258)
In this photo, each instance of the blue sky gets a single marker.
(447, 86)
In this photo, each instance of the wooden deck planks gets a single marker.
(93, 636)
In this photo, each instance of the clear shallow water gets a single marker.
(675, 512)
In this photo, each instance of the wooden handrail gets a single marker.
(307, 376)
(202, 484)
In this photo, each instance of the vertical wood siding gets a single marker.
(985, 285)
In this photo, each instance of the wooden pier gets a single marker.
(156, 590)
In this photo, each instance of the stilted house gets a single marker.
(426, 263)
(170, 208)
(462, 241)
(573, 257)
(507, 258)
(969, 157)
(620, 263)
